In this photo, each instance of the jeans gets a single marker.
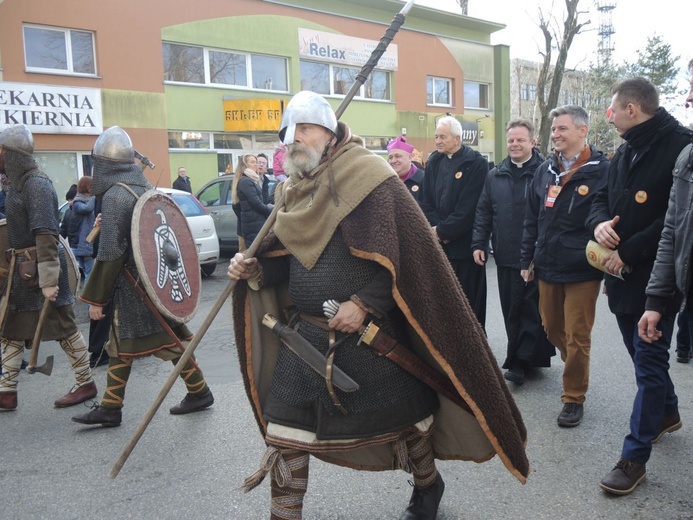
(86, 263)
(683, 336)
(655, 397)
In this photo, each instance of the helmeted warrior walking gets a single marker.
(347, 230)
(136, 331)
(32, 234)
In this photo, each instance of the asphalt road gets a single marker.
(193, 466)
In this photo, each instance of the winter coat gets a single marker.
(501, 210)
(83, 221)
(638, 189)
(672, 269)
(414, 183)
(555, 238)
(451, 190)
(182, 184)
(254, 211)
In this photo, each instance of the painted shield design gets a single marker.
(166, 256)
(73, 275)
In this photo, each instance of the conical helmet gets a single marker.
(114, 144)
(19, 138)
(306, 107)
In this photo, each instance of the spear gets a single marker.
(361, 78)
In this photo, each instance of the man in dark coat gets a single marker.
(455, 175)
(182, 182)
(347, 230)
(553, 246)
(627, 216)
(499, 216)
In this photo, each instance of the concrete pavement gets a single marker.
(193, 466)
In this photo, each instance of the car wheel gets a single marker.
(208, 269)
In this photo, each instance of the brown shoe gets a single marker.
(108, 417)
(624, 478)
(670, 424)
(193, 403)
(8, 401)
(78, 394)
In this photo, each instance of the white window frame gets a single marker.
(248, 69)
(433, 102)
(68, 51)
(360, 95)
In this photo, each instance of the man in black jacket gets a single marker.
(182, 182)
(453, 180)
(627, 216)
(554, 241)
(499, 215)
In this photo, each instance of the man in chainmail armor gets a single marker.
(346, 229)
(32, 233)
(135, 331)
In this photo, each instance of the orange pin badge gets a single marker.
(458, 175)
(641, 197)
(583, 190)
(414, 188)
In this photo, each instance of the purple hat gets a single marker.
(401, 144)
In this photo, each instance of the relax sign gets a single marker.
(347, 50)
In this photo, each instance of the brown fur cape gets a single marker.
(388, 227)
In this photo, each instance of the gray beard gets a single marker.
(301, 159)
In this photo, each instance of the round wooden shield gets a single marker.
(166, 256)
(73, 275)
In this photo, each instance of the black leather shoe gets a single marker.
(108, 417)
(515, 375)
(670, 424)
(193, 403)
(98, 360)
(624, 478)
(571, 415)
(424, 502)
(683, 357)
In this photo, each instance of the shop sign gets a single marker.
(470, 133)
(51, 109)
(337, 48)
(252, 115)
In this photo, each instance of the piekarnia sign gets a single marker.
(51, 109)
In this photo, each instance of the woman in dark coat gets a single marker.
(247, 193)
(81, 224)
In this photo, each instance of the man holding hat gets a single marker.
(399, 155)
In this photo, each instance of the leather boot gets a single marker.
(78, 394)
(424, 502)
(193, 403)
(8, 401)
(108, 417)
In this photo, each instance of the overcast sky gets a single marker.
(632, 20)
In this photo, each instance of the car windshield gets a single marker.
(188, 205)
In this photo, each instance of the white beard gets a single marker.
(301, 159)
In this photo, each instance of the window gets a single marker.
(475, 95)
(326, 79)
(528, 92)
(190, 64)
(50, 49)
(439, 91)
(189, 140)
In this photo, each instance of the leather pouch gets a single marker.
(27, 269)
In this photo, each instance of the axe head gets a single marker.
(46, 368)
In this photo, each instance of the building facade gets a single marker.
(199, 84)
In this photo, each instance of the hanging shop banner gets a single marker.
(337, 48)
(51, 109)
(252, 115)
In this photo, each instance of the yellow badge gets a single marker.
(641, 197)
(458, 175)
(414, 188)
(583, 190)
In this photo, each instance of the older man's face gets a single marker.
(309, 144)
(446, 142)
(400, 161)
